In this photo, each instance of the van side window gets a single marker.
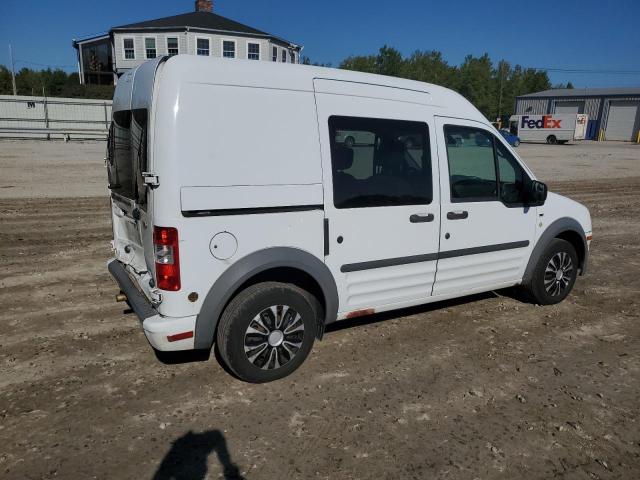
(472, 169)
(476, 160)
(379, 162)
(513, 178)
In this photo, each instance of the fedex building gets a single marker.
(614, 113)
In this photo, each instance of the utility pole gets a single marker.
(13, 72)
(501, 71)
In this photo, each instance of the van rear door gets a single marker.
(128, 160)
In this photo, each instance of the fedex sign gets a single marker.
(546, 121)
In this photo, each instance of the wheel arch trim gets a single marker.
(556, 228)
(247, 267)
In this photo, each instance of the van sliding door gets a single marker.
(381, 200)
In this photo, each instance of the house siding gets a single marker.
(187, 45)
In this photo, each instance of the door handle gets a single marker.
(415, 218)
(457, 215)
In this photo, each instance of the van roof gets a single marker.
(181, 70)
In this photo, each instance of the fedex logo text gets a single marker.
(547, 121)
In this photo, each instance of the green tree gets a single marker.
(365, 64)
(52, 83)
(6, 87)
(429, 66)
(389, 62)
(307, 61)
(475, 81)
(493, 89)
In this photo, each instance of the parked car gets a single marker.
(351, 139)
(256, 246)
(511, 139)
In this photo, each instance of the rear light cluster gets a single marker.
(167, 258)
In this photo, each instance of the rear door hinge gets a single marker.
(151, 179)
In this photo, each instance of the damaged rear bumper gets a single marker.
(166, 334)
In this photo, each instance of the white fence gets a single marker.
(51, 118)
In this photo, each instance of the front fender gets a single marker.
(556, 228)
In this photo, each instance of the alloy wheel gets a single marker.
(558, 274)
(274, 337)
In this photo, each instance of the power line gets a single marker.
(44, 64)
(587, 71)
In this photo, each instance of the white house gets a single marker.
(102, 59)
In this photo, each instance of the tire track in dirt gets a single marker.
(426, 392)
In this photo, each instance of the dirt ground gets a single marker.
(481, 388)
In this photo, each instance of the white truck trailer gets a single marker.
(550, 128)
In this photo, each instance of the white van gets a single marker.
(552, 129)
(242, 217)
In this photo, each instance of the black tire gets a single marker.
(349, 141)
(545, 288)
(516, 143)
(552, 140)
(256, 302)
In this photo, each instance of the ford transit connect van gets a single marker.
(255, 204)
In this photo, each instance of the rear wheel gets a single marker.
(552, 140)
(267, 331)
(555, 273)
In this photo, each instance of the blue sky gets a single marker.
(578, 34)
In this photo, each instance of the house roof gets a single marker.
(586, 92)
(198, 20)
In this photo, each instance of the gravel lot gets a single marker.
(485, 387)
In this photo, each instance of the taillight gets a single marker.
(167, 257)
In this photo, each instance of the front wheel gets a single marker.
(555, 273)
(516, 143)
(267, 331)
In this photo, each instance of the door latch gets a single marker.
(151, 179)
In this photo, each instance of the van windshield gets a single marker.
(127, 154)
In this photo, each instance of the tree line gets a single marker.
(51, 83)
(492, 88)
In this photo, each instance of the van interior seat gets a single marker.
(392, 179)
(343, 183)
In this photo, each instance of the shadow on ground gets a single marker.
(187, 459)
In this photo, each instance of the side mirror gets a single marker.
(536, 194)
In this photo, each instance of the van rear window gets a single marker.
(127, 154)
